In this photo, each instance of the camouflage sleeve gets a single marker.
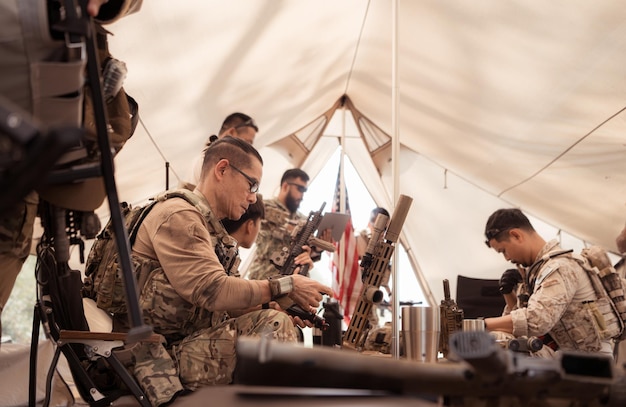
(555, 290)
(180, 241)
(272, 237)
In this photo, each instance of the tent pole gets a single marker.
(342, 192)
(395, 154)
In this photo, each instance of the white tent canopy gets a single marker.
(516, 103)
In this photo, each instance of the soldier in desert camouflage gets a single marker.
(560, 305)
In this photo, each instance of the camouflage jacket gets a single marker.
(274, 235)
(561, 303)
(179, 295)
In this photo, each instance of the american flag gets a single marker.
(347, 277)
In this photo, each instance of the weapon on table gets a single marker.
(302, 234)
(485, 371)
(374, 265)
(451, 317)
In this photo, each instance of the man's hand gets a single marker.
(510, 278)
(297, 321)
(307, 292)
(304, 258)
(327, 235)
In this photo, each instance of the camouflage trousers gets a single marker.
(16, 233)
(206, 357)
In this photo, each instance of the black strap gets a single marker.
(134, 228)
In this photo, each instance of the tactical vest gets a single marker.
(585, 324)
(162, 307)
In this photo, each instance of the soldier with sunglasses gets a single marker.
(281, 216)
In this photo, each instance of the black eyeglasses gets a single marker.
(493, 234)
(301, 188)
(248, 123)
(254, 184)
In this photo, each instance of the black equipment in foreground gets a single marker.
(59, 303)
(485, 371)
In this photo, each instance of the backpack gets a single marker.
(609, 287)
(103, 274)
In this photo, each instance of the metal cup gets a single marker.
(473, 325)
(420, 332)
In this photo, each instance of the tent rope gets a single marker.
(558, 157)
(165, 160)
(356, 49)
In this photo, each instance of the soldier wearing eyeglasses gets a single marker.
(238, 125)
(188, 285)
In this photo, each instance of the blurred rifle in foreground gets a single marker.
(373, 267)
(485, 371)
(451, 319)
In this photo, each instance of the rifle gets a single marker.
(297, 311)
(485, 371)
(451, 318)
(302, 234)
(374, 265)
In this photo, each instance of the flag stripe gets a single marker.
(347, 279)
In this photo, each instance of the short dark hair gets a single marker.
(237, 119)
(503, 220)
(294, 173)
(254, 212)
(376, 211)
(235, 150)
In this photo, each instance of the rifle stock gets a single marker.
(451, 319)
(373, 266)
(485, 370)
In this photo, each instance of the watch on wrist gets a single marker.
(280, 287)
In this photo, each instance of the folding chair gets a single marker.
(91, 356)
(479, 297)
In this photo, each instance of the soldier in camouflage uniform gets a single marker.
(280, 214)
(560, 307)
(25, 43)
(186, 292)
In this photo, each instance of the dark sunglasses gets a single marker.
(254, 184)
(248, 123)
(493, 234)
(301, 188)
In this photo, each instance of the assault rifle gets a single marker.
(485, 371)
(374, 265)
(302, 234)
(451, 318)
